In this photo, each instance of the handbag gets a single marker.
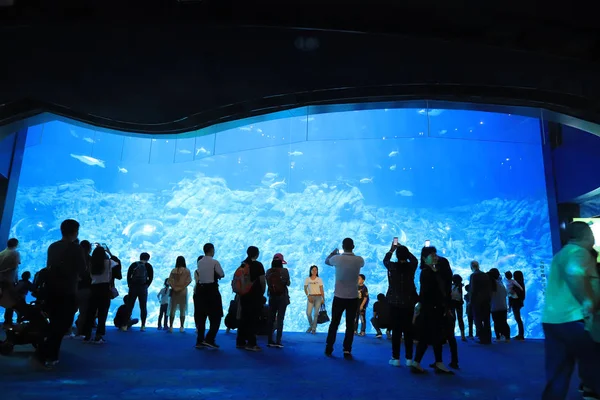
(114, 293)
(323, 317)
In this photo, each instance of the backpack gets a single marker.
(275, 283)
(241, 282)
(456, 293)
(140, 274)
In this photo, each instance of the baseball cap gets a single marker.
(279, 257)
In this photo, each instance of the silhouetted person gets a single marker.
(345, 298)
(65, 263)
(402, 297)
(571, 305)
(518, 303)
(207, 298)
(434, 304)
(251, 303)
(9, 264)
(139, 278)
(481, 302)
(278, 280)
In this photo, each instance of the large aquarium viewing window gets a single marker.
(471, 182)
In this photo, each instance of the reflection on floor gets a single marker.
(157, 365)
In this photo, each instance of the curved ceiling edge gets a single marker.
(564, 108)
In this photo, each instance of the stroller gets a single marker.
(31, 327)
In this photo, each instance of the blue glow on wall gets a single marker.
(471, 182)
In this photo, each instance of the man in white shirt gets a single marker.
(347, 268)
(207, 299)
(572, 295)
(9, 264)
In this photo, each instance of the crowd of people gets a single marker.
(81, 277)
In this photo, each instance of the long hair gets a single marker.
(97, 261)
(180, 262)
(518, 276)
(310, 270)
(494, 275)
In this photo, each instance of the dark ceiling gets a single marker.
(162, 66)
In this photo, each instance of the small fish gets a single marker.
(434, 112)
(202, 150)
(366, 180)
(89, 140)
(443, 132)
(185, 151)
(377, 166)
(393, 167)
(135, 185)
(259, 130)
(122, 170)
(89, 160)
(393, 154)
(270, 175)
(277, 185)
(72, 132)
(295, 153)
(246, 128)
(404, 193)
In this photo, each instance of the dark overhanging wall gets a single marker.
(9, 181)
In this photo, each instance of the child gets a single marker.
(381, 316)
(123, 319)
(163, 297)
(363, 302)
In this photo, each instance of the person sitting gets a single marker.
(381, 316)
(123, 319)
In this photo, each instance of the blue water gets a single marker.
(471, 182)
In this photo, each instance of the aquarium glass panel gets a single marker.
(299, 186)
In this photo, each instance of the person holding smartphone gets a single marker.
(345, 300)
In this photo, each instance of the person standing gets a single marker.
(250, 304)
(278, 280)
(481, 302)
(499, 307)
(207, 298)
(179, 279)
(572, 299)
(65, 264)
(99, 303)
(517, 304)
(345, 300)
(402, 297)
(139, 278)
(315, 297)
(84, 288)
(9, 264)
(433, 319)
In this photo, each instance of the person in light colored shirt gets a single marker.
(207, 298)
(315, 296)
(9, 264)
(572, 296)
(345, 299)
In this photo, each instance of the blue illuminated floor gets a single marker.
(155, 365)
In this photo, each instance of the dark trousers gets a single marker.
(201, 314)
(481, 314)
(83, 302)
(61, 312)
(516, 306)
(453, 349)
(8, 315)
(248, 324)
(339, 306)
(99, 305)
(402, 323)
(141, 293)
(457, 307)
(501, 327)
(376, 322)
(470, 319)
(277, 307)
(163, 313)
(566, 345)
